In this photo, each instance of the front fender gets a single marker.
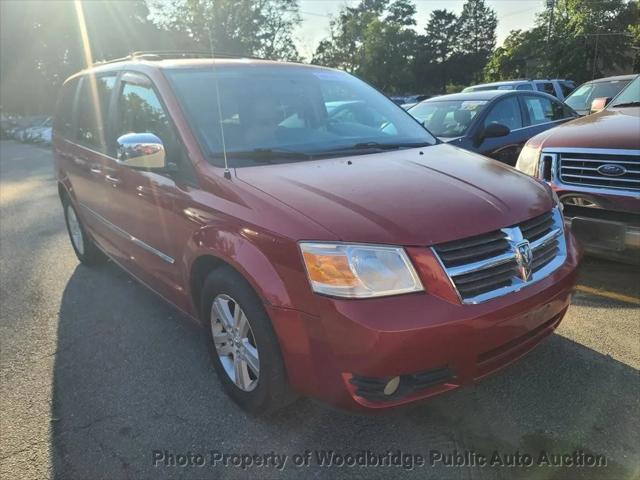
(251, 253)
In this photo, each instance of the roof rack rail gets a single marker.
(154, 55)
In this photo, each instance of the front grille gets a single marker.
(590, 170)
(487, 266)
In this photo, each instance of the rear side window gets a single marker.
(546, 87)
(92, 111)
(543, 110)
(524, 86)
(566, 88)
(63, 122)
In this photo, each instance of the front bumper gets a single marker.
(416, 334)
(609, 234)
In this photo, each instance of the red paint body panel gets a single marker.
(253, 221)
(610, 128)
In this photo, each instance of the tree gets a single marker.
(243, 27)
(477, 35)
(41, 45)
(517, 57)
(375, 41)
(439, 43)
(588, 40)
(402, 12)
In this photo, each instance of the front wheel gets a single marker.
(244, 348)
(83, 246)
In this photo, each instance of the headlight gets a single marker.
(359, 271)
(528, 160)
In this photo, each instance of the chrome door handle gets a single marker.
(96, 170)
(112, 179)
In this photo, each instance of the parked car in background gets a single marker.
(26, 128)
(411, 100)
(38, 133)
(583, 96)
(368, 265)
(593, 164)
(495, 123)
(559, 88)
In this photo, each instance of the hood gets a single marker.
(406, 197)
(615, 128)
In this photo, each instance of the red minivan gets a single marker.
(330, 244)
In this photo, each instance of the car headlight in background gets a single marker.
(528, 160)
(359, 271)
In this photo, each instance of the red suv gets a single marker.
(331, 245)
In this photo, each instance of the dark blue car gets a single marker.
(495, 123)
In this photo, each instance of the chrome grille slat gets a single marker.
(604, 160)
(479, 252)
(575, 169)
(496, 271)
(470, 242)
(479, 280)
(616, 179)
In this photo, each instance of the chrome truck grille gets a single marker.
(603, 170)
(503, 261)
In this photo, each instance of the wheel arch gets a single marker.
(217, 249)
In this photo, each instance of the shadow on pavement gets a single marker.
(614, 277)
(132, 376)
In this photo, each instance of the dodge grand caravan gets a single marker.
(350, 257)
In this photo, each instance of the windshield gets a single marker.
(629, 96)
(447, 118)
(581, 99)
(282, 111)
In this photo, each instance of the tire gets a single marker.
(84, 247)
(261, 393)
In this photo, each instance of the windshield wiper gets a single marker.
(627, 104)
(365, 146)
(267, 155)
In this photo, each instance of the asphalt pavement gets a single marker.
(101, 379)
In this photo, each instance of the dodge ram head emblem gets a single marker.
(524, 258)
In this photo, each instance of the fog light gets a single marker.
(391, 386)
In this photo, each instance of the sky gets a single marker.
(512, 15)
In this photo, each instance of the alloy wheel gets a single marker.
(234, 342)
(75, 230)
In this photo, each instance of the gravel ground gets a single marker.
(97, 373)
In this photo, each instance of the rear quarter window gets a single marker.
(92, 110)
(63, 120)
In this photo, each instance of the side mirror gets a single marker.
(141, 150)
(495, 130)
(598, 104)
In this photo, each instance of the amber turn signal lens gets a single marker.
(330, 269)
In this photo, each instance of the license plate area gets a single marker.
(599, 233)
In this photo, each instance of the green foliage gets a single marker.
(477, 35)
(376, 41)
(245, 27)
(41, 45)
(588, 40)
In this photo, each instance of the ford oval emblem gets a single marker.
(611, 170)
